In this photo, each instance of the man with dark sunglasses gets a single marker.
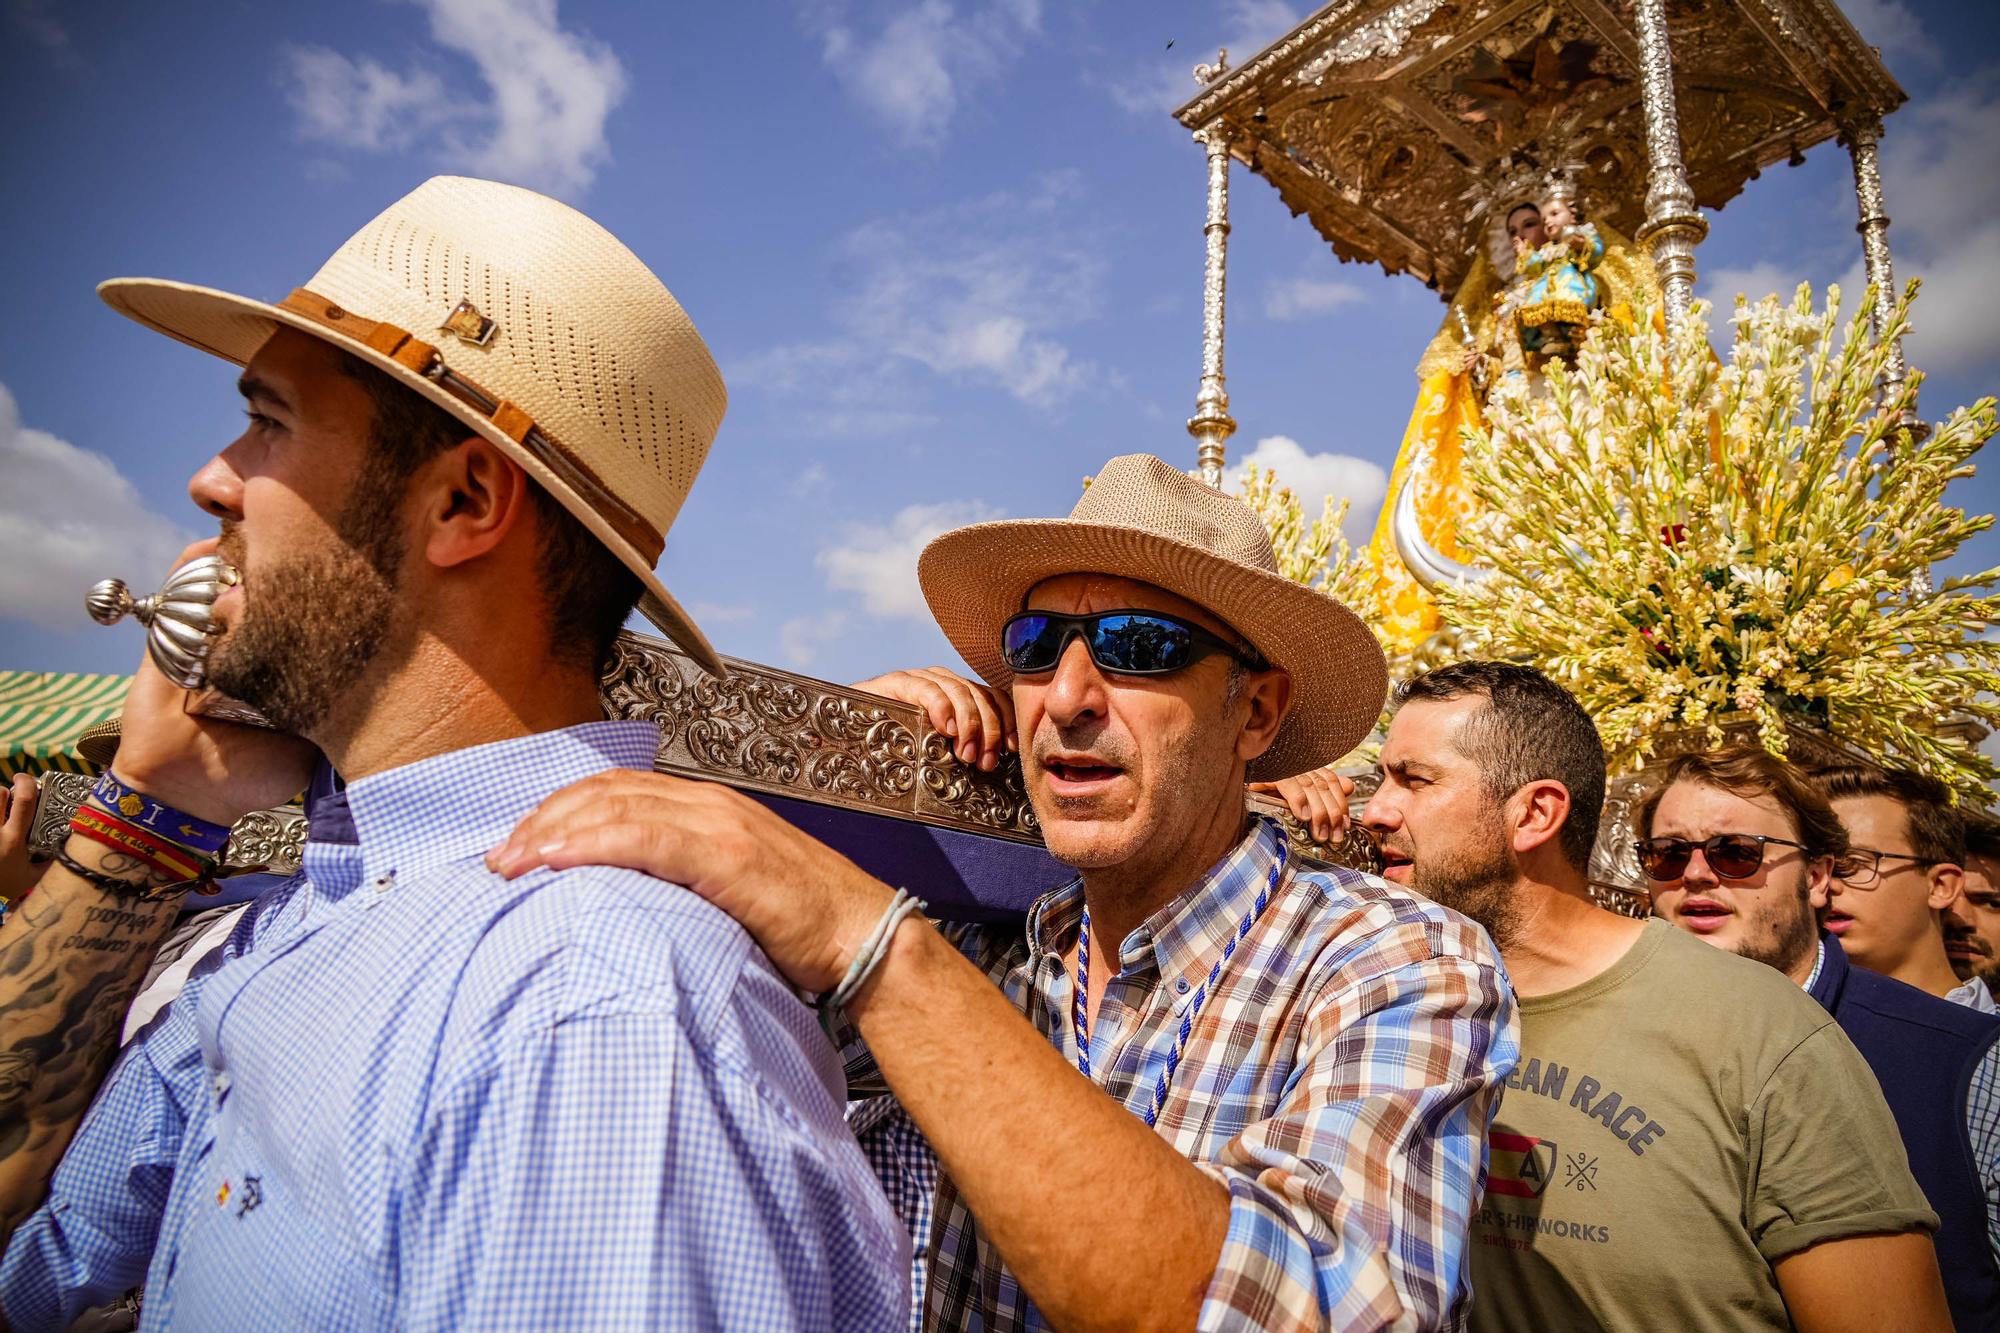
(1688, 1141)
(1902, 874)
(1741, 849)
(1209, 1085)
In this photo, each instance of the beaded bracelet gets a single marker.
(872, 951)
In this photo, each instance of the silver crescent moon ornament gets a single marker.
(179, 618)
(1430, 567)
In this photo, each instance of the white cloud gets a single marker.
(1721, 286)
(540, 122)
(915, 72)
(977, 292)
(1941, 176)
(1314, 477)
(879, 562)
(68, 518)
(1890, 26)
(1163, 81)
(801, 637)
(1304, 297)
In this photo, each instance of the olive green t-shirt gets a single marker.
(1676, 1126)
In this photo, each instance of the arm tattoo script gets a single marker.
(71, 957)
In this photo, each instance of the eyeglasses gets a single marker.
(1729, 855)
(1129, 643)
(1863, 867)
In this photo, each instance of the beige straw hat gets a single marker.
(1141, 519)
(528, 322)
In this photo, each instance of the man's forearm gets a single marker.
(1105, 1225)
(71, 956)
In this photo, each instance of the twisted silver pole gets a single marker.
(1673, 226)
(1211, 425)
(1862, 135)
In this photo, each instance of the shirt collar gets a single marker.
(1187, 935)
(462, 804)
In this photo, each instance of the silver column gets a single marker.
(1211, 425)
(1862, 135)
(1673, 226)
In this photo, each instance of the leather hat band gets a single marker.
(414, 354)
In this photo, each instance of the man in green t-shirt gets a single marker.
(1689, 1141)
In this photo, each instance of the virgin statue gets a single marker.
(1538, 278)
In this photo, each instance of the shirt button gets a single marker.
(383, 883)
(220, 1082)
(1181, 986)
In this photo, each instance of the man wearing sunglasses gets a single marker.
(1741, 849)
(1902, 874)
(1688, 1142)
(1209, 1086)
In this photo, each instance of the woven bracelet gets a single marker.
(158, 818)
(873, 950)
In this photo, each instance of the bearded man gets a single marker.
(1972, 926)
(1209, 1085)
(406, 1093)
(1689, 1142)
(1741, 848)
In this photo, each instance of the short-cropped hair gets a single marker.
(1935, 826)
(1751, 771)
(1982, 836)
(1531, 730)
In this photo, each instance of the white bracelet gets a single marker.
(873, 949)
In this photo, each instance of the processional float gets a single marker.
(1378, 120)
(1375, 119)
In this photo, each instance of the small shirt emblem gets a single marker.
(469, 326)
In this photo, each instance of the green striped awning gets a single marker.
(43, 712)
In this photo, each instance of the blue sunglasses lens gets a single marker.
(1138, 645)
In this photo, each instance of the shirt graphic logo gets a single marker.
(1520, 1165)
(1580, 1171)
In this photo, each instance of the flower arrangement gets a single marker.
(1678, 539)
(1316, 554)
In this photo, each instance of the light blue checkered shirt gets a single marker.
(407, 1093)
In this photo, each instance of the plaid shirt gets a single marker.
(1339, 1082)
(409, 1094)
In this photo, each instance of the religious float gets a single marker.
(1700, 547)
(1543, 165)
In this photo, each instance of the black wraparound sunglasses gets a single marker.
(1729, 855)
(1128, 643)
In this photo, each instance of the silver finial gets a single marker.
(180, 629)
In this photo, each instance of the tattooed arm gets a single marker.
(71, 956)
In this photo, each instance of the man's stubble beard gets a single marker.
(313, 622)
(1784, 944)
(1478, 883)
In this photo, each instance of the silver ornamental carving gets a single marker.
(180, 627)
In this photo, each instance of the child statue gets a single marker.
(1557, 287)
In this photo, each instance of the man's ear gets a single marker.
(473, 496)
(1269, 696)
(1819, 883)
(1536, 814)
(1947, 881)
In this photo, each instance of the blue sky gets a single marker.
(948, 255)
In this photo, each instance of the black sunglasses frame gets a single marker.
(1201, 642)
(1709, 846)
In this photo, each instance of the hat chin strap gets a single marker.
(414, 354)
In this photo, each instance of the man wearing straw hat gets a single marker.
(410, 1094)
(1209, 1085)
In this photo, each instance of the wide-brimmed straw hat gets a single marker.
(1141, 519)
(526, 321)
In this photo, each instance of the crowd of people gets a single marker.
(542, 1038)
